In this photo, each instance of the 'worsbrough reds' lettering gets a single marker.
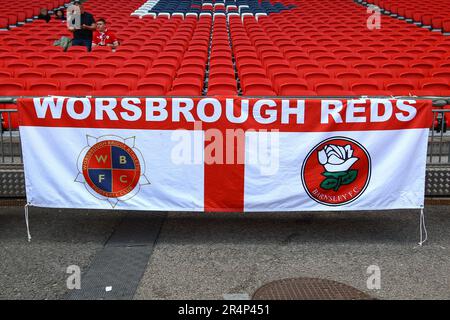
(231, 110)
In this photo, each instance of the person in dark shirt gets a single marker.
(82, 36)
(43, 15)
(59, 15)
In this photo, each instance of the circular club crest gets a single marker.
(336, 171)
(111, 168)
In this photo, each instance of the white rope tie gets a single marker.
(423, 228)
(27, 222)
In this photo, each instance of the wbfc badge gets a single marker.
(111, 168)
(336, 171)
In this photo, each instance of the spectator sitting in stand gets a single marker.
(59, 15)
(43, 15)
(104, 37)
(82, 36)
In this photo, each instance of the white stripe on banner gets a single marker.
(175, 181)
(274, 179)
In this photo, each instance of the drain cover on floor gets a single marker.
(308, 289)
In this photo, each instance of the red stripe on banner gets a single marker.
(263, 114)
(224, 167)
(224, 187)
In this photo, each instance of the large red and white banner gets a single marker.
(224, 154)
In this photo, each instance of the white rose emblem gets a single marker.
(336, 158)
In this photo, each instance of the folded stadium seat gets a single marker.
(444, 64)
(149, 87)
(12, 87)
(128, 73)
(196, 56)
(94, 73)
(138, 56)
(221, 61)
(122, 49)
(378, 58)
(8, 56)
(335, 66)
(330, 88)
(163, 76)
(185, 87)
(120, 57)
(24, 50)
(48, 65)
(78, 87)
(89, 56)
(30, 73)
(394, 65)
(51, 50)
(429, 57)
(349, 58)
(323, 57)
(77, 65)
(222, 87)
(6, 73)
(306, 65)
(258, 89)
(35, 57)
(115, 87)
(289, 84)
(170, 57)
(347, 74)
(18, 64)
(149, 50)
(43, 87)
(440, 73)
(380, 74)
(247, 61)
(438, 51)
(221, 72)
(248, 75)
(367, 87)
(403, 87)
(314, 74)
(364, 65)
(107, 64)
(294, 89)
(102, 49)
(141, 65)
(276, 66)
(413, 74)
(404, 57)
(61, 74)
(197, 73)
(440, 87)
(422, 64)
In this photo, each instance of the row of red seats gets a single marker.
(432, 13)
(17, 12)
(135, 69)
(188, 85)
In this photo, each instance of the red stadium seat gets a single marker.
(94, 73)
(79, 87)
(40, 87)
(12, 87)
(61, 74)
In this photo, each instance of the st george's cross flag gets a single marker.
(224, 153)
